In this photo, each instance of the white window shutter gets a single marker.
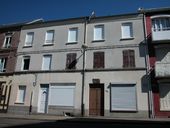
(63, 93)
(123, 97)
(46, 62)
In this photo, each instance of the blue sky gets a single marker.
(14, 11)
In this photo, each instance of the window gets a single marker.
(49, 38)
(161, 24)
(98, 60)
(127, 31)
(21, 94)
(99, 32)
(29, 39)
(26, 63)
(73, 35)
(46, 64)
(164, 91)
(7, 41)
(3, 64)
(62, 94)
(71, 61)
(128, 58)
(123, 97)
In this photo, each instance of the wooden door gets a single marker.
(96, 100)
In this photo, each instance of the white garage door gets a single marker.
(123, 97)
(62, 94)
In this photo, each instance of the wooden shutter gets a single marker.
(132, 58)
(128, 58)
(125, 59)
(98, 61)
(71, 61)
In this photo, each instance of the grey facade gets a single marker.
(86, 80)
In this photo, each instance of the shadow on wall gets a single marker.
(144, 84)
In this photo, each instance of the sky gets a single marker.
(17, 11)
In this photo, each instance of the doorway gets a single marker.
(96, 100)
(43, 98)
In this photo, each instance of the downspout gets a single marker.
(83, 69)
(148, 69)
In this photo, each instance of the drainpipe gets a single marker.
(150, 96)
(83, 70)
(32, 94)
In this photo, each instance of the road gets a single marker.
(78, 123)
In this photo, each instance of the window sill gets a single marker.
(22, 103)
(130, 38)
(97, 41)
(50, 44)
(70, 43)
(27, 46)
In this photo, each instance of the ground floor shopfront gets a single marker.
(112, 94)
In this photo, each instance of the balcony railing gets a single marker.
(162, 69)
(161, 34)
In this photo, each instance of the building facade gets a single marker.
(157, 24)
(9, 39)
(82, 66)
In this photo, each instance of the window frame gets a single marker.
(29, 44)
(49, 42)
(97, 64)
(7, 44)
(3, 65)
(19, 93)
(43, 62)
(129, 58)
(23, 63)
(131, 33)
(95, 38)
(72, 57)
(69, 41)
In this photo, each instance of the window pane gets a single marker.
(123, 97)
(3, 64)
(99, 32)
(127, 30)
(26, 63)
(7, 42)
(29, 39)
(46, 62)
(72, 35)
(49, 36)
(71, 61)
(21, 94)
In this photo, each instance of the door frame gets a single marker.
(39, 97)
(101, 86)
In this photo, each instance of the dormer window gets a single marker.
(161, 23)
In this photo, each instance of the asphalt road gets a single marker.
(78, 123)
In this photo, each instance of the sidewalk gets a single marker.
(83, 119)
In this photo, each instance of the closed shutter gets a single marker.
(125, 58)
(128, 58)
(132, 58)
(123, 97)
(62, 94)
(71, 61)
(98, 61)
